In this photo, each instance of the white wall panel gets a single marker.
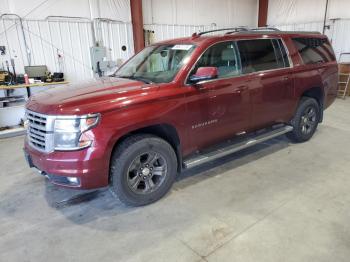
(160, 11)
(310, 26)
(62, 45)
(70, 39)
(39, 9)
(208, 11)
(185, 13)
(301, 11)
(243, 13)
(4, 6)
(46, 41)
(295, 11)
(201, 12)
(164, 32)
(340, 36)
(115, 35)
(339, 9)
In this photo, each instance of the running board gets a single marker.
(233, 147)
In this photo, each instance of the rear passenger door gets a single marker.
(271, 83)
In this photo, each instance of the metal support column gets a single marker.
(137, 24)
(263, 9)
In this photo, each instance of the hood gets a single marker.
(93, 96)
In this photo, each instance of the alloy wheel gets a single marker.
(147, 172)
(308, 120)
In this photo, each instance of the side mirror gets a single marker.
(203, 74)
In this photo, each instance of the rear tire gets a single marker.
(143, 169)
(305, 120)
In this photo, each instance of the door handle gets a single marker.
(285, 78)
(240, 89)
(200, 87)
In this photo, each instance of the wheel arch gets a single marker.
(165, 131)
(318, 94)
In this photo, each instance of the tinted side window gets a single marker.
(260, 55)
(223, 56)
(314, 50)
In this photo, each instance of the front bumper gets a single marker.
(88, 167)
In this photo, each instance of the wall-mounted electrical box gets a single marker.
(99, 61)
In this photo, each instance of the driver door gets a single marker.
(220, 108)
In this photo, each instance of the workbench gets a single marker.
(28, 86)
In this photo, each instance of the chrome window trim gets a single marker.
(283, 47)
(291, 65)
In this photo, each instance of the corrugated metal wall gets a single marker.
(167, 31)
(201, 12)
(62, 45)
(340, 37)
(302, 11)
(310, 26)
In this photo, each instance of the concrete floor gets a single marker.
(274, 202)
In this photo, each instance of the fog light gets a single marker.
(73, 180)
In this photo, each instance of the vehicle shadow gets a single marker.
(82, 207)
(231, 161)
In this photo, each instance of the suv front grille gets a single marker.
(40, 131)
(37, 130)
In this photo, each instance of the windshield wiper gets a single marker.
(138, 78)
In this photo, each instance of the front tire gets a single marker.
(305, 121)
(143, 168)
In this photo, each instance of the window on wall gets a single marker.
(223, 56)
(262, 54)
(314, 50)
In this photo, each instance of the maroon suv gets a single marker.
(177, 104)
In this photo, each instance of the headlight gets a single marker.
(69, 131)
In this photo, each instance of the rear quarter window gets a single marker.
(314, 50)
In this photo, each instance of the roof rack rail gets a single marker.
(264, 28)
(237, 30)
(234, 29)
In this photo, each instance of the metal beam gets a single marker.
(263, 9)
(325, 18)
(137, 24)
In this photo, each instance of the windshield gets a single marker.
(157, 64)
